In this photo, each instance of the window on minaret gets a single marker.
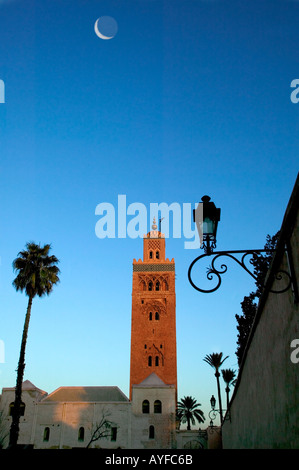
(150, 361)
(151, 315)
(157, 254)
(151, 255)
(157, 361)
(157, 316)
(157, 285)
(157, 406)
(150, 285)
(145, 407)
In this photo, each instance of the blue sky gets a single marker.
(191, 97)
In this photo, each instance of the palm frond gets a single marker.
(37, 272)
(188, 411)
(228, 376)
(215, 360)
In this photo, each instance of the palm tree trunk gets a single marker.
(14, 429)
(227, 397)
(219, 396)
(188, 424)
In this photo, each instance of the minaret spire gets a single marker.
(154, 226)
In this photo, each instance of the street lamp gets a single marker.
(213, 413)
(206, 217)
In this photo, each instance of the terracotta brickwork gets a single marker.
(153, 329)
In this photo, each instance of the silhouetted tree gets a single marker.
(228, 376)
(102, 429)
(188, 411)
(261, 263)
(37, 274)
(244, 323)
(215, 360)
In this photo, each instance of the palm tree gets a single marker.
(215, 360)
(37, 274)
(188, 411)
(228, 376)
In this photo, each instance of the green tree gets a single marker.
(261, 263)
(188, 411)
(216, 360)
(37, 274)
(228, 376)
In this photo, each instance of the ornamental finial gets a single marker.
(154, 226)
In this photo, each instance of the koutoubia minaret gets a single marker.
(153, 330)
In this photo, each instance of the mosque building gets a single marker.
(73, 417)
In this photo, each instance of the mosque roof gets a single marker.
(27, 386)
(86, 394)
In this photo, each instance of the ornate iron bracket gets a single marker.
(213, 415)
(213, 271)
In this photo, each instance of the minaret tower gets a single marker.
(153, 331)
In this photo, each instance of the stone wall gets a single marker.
(30, 397)
(265, 405)
(164, 423)
(65, 419)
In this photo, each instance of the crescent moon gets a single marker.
(98, 33)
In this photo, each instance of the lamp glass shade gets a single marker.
(208, 226)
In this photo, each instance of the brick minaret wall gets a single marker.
(153, 329)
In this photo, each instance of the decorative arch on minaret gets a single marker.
(150, 283)
(156, 306)
(154, 355)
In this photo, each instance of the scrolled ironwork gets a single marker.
(213, 414)
(213, 271)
